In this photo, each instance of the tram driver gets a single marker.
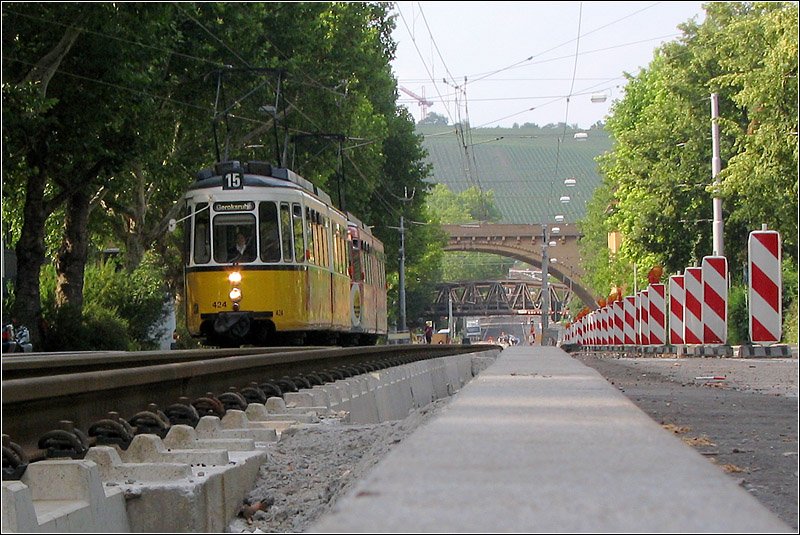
(242, 250)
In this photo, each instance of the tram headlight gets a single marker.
(235, 295)
(235, 277)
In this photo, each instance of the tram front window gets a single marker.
(234, 238)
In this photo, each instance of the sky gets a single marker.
(527, 62)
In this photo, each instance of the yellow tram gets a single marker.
(270, 261)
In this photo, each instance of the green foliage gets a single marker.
(93, 329)
(138, 297)
(790, 302)
(120, 310)
(435, 119)
(738, 316)
(657, 187)
(469, 206)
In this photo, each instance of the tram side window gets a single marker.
(202, 234)
(343, 250)
(286, 232)
(355, 261)
(297, 229)
(368, 264)
(310, 248)
(326, 239)
(269, 236)
(340, 263)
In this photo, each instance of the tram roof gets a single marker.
(257, 174)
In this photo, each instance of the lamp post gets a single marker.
(716, 164)
(545, 288)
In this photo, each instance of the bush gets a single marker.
(738, 316)
(119, 312)
(789, 302)
(138, 297)
(95, 329)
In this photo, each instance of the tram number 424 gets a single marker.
(224, 304)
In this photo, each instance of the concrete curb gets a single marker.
(540, 442)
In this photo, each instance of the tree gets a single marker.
(657, 187)
(434, 119)
(659, 172)
(30, 150)
(469, 206)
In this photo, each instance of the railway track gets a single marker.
(57, 405)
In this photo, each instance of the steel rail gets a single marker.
(34, 405)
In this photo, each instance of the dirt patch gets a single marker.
(312, 466)
(746, 423)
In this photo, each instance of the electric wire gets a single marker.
(566, 112)
(424, 64)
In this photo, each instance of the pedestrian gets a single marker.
(428, 334)
(532, 335)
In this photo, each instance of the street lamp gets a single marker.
(545, 289)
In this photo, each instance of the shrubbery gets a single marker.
(119, 310)
(738, 316)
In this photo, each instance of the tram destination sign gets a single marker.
(234, 206)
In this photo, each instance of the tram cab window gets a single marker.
(269, 236)
(234, 238)
(202, 234)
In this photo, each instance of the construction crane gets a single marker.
(423, 102)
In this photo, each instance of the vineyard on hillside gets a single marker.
(525, 168)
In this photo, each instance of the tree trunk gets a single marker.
(72, 254)
(30, 257)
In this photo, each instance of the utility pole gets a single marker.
(402, 276)
(717, 229)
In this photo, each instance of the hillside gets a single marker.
(525, 168)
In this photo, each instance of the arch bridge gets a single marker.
(526, 243)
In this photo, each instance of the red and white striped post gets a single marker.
(693, 311)
(587, 330)
(637, 318)
(677, 298)
(604, 330)
(629, 327)
(658, 318)
(715, 299)
(618, 322)
(644, 318)
(766, 286)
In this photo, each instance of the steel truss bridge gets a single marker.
(499, 298)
